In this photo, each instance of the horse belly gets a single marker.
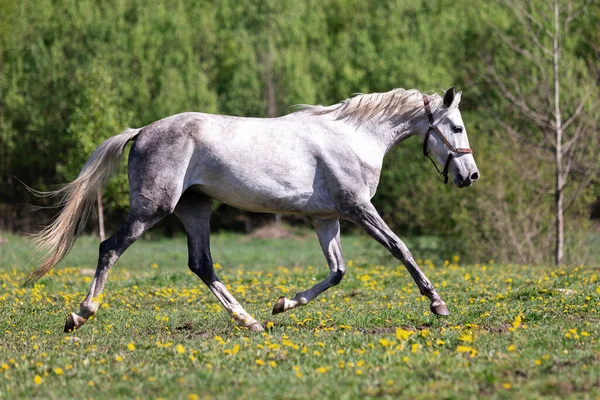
(266, 195)
(277, 187)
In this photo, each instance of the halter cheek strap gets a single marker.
(452, 151)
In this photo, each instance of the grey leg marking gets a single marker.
(328, 232)
(193, 210)
(367, 217)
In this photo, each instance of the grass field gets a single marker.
(515, 331)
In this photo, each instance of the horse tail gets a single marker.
(78, 197)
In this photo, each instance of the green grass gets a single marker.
(515, 331)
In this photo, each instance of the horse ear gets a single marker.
(449, 97)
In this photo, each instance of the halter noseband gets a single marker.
(453, 151)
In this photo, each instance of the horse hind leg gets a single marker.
(193, 210)
(328, 232)
(143, 215)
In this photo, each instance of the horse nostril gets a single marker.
(474, 176)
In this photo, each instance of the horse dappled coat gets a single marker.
(323, 162)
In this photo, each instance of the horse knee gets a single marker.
(106, 246)
(204, 270)
(337, 276)
(107, 251)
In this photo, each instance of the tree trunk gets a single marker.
(100, 216)
(270, 94)
(558, 190)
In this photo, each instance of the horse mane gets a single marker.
(394, 107)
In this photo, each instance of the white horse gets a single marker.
(323, 162)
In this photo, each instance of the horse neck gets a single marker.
(389, 136)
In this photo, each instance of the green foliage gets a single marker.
(97, 116)
(73, 73)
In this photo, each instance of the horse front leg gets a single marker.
(328, 232)
(366, 216)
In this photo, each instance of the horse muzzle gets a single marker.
(466, 181)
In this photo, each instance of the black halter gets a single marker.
(453, 151)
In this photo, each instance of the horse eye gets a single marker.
(457, 129)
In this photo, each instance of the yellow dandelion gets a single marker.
(37, 380)
(467, 337)
(58, 371)
(516, 323)
(463, 349)
(260, 362)
(131, 346)
(272, 363)
(180, 349)
(403, 334)
(506, 385)
(511, 348)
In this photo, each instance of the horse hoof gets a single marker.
(256, 327)
(440, 309)
(73, 322)
(279, 306)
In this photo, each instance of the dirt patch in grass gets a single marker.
(496, 328)
(387, 330)
(185, 327)
(273, 231)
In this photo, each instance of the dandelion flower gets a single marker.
(403, 334)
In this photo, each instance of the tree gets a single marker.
(551, 124)
(97, 117)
